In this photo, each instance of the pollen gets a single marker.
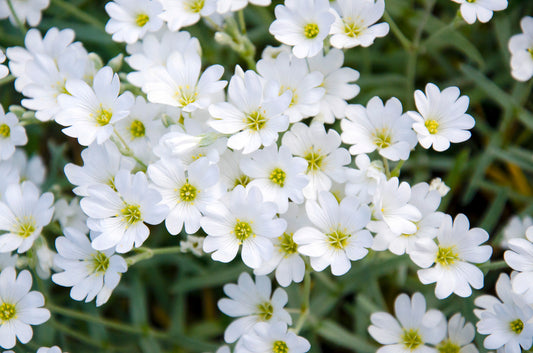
(242, 230)
(100, 262)
(255, 121)
(5, 131)
(103, 116)
(186, 95)
(25, 227)
(311, 30)
(446, 256)
(448, 346)
(194, 6)
(265, 311)
(411, 339)
(351, 29)
(188, 192)
(516, 326)
(382, 139)
(137, 129)
(287, 244)
(314, 161)
(432, 126)
(280, 347)
(142, 19)
(131, 214)
(338, 239)
(278, 176)
(7, 312)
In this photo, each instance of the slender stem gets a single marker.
(396, 171)
(147, 253)
(19, 23)
(80, 14)
(386, 166)
(128, 151)
(455, 22)
(496, 265)
(304, 310)
(75, 334)
(242, 22)
(406, 44)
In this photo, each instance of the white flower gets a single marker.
(69, 214)
(412, 328)
(458, 247)
(231, 174)
(390, 207)
(26, 10)
(246, 221)
(183, 13)
(179, 84)
(289, 265)
(459, 337)
(273, 337)
(192, 244)
(482, 9)
(277, 174)
(44, 258)
(101, 164)
(287, 73)
(224, 6)
(131, 19)
(440, 186)
(507, 322)
(118, 217)
(520, 259)
(337, 83)
(90, 112)
(252, 302)
(356, 23)
(90, 273)
(441, 117)
(378, 127)
(32, 169)
(515, 228)
(54, 349)
(4, 71)
(325, 159)
(19, 308)
(363, 181)
(251, 118)
(304, 24)
(23, 214)
(521, 48)
(340, 237)
(11, 134)
(186, 192)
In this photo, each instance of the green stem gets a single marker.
(242, 22)
(19, 23)
(127, 150)
(496, 265)
(386, 166)
(406, 44)
(80, 14)
(396, 171)
(306, 295)
(147, 253)
(7, 79)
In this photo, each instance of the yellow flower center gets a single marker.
(241, 180)
(382, 138)
(338, 239)
(131, 213)
(432, 126)
(242, 230)
(277, 176)
(314, 160)
(142, 19)
(448, 347)
(5, 131)
(516, 326)
(446, 256)
(294, 99)
(137, 129)
(186, 95)
(255, 121)
(100, 262)
(103, 116)
(411, 339)
(188, 192)
(195, 6)
(280, 347)
(25, 227)
(287, 244)
(311, 30)
(351, 29)
(7, 312)
(265, 311)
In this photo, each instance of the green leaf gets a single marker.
(340, 336)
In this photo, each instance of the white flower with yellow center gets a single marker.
(273, 337)
(231, 174)
(378, 127)
(186, 192)
(303, 24)
(252, 302)
(26, 11)
(117, 217)
(90, 112)
(183, 13)
(90, 273)
(23, 214)
(11, 134)
(325, 159)
(480, 9)
(340, 237)
(449, 262)
(252, 118)
(19, 308)
(242, 219)
(441, 117)
(459, 337)
(180, 84)
(521, 48)
(277, 174)
(411, 330)
(132, 19)
(356, 23)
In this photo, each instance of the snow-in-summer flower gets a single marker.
(363, 181)
(54, 349)
(23, 214)
(411, 329)
(26, 10)
(441, 117)
(224, 6)
(304, 24)
(378, 127)
(516, 227)
(11, 134)
(132, 19)
(90, 273)
(453, 256)
(520, 258)
(355, 25)
(90, 112)
(480, 9)
(183, 13)
(242, 219)
(459, 337)
(19, 308)
(252, 302)
(521, 48)
(273, 337)
(4, 71)
(338, 236)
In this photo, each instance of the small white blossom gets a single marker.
(273, 337)
(131, 19)
(4, 71)
(515, 228)
(224, 6)
(480, 9)
(11, 134)
(459, 337)
(440, 186)
(521, 48)
(183, 13)
(26, 10)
